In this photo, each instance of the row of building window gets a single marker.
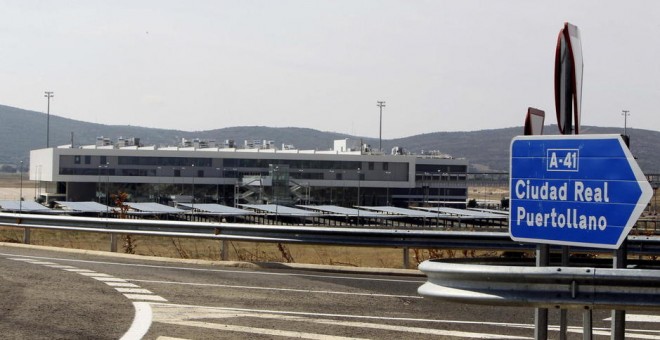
(199, 173)
(235, 162)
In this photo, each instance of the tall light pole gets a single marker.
(104, 168)
(217, 187)
(48, 94)
(20, 194)
(387, 195)
(625, 114)
(275, 186)
(158, 186)
(380, 104)
(332, 173)
(358, 196)
(193, 189)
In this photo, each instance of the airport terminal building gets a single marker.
(201, 171)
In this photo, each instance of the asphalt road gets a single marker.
(47, 294)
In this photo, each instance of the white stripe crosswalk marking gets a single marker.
(145, 297)
(133, 290)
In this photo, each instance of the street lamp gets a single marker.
(158, 184)
(48, 94)
(625, 114)
(380, 104)
(107, 180)
(332, 172)
(192, 201)
(275, 180)
(217, 188)
(425, 188)
(387, 195)
(20, 194)
(358, 196)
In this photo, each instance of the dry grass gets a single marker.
(238, 251)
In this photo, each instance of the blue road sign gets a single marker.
(580, 190)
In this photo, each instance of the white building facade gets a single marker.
(232, 176)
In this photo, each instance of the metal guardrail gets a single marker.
(400, 238)
(543, 287)
(268, 233)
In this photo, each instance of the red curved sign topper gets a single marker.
(568, 79)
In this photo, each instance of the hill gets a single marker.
(486, 150)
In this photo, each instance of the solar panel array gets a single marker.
(153, 208)
(86, 207)
(273, 209)
(403, 212)
(216, 209)
(280, 210)
(336, 210)
(465, 214)
(23, 206)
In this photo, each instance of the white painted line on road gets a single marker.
(95, 274)
(43, 263)
(109, 279)
(242, 272)
(143, 316)
(61, 266)
(639, 318)
(22, 259)
(350, 316)
(78, 270)
(278, 289)
(261, 331)
(133, 290)
(121, 284)
(141, 321)
(187, 316)
(145, 297)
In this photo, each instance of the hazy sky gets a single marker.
(440, 65)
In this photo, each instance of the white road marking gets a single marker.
(277, 289)
(143, 316)
(639, 318)
(186, 315)
(78, 270)
(133, 290)
(261, 331)
(94, 274)
(145, 297)
(241, 272)
(141, 321)
(109, 279)
(61, 266)
(122, 284)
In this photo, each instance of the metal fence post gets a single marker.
(619, 316)
(406, 258)
(113, 243)
(541, 314)
(26, 235)
(587, 324)
(224, 250)
(563, 313)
